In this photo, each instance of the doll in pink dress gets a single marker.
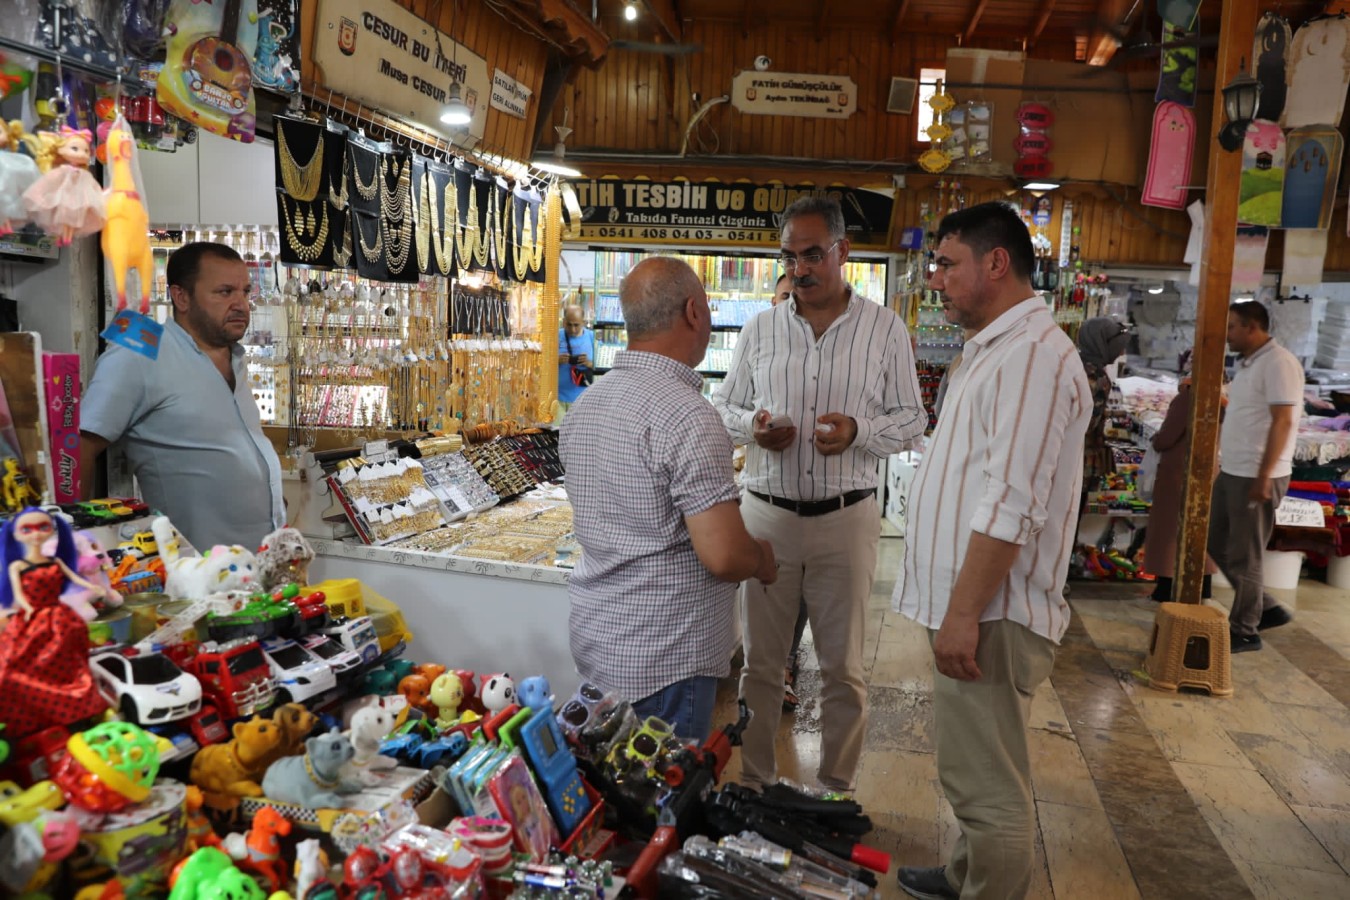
(66, 201)
(18, 173)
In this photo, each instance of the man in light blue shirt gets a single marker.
(576, 347)
(187, 421)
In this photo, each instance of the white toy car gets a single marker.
(343, 661)
(146, 688)
(357, 635)
(300, 675)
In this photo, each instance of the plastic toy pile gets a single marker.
(289, 752)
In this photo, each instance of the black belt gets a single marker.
(817, 507)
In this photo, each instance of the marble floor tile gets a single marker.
(1058, 773)
(1331, 828)
(1272, 881)
(1297, 769)
(1082, 855)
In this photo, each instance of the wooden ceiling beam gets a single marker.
(1102, 43)
(1042, 19)
(901, 7)
(667, 17)
(974, 20)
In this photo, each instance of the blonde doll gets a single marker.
(18, 172)
(66, 201)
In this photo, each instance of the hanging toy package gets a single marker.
(126, 245)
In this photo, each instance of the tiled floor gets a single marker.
(1139, 793)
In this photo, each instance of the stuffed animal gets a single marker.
(232, 768)
(534, 693)
(315, 779)
(283, 559)
(370, 725)
(499, 692)
(221, 570)
(447, 692)
(295, 722)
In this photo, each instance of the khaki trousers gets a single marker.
(828, 561)
(984, 764)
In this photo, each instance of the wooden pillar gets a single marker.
(1237, 30)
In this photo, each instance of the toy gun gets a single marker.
(692, 774)
(803, 824)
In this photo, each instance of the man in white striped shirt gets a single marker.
(841, 369)
(991, 520)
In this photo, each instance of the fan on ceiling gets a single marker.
(1135, 39)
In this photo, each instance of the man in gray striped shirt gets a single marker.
(656, 509)
(822, 387)
(991, 520)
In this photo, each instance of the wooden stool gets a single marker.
(1190, 648)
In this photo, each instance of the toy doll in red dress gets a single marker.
(66, 201)
(44, 647)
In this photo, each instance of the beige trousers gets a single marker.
(830, 561)
(984, 764)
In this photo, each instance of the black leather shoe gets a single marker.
(926, 884)
(1274, 618)
(1241, 643)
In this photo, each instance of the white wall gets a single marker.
(215, 181)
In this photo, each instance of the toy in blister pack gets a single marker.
(556, 769)
(519, 802)
(207, 77)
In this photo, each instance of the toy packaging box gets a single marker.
(61, 383)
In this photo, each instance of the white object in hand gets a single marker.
(824, 427)
(778, 422)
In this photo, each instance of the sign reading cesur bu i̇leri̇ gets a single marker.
(794, 94)
(716, 213)
(509, 95)
(376, 52)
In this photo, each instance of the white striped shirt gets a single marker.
(862, 367)
(1006, 460)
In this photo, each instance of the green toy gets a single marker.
(209, 874)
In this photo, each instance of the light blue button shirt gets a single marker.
(197, 449)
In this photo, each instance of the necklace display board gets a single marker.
(305, 210)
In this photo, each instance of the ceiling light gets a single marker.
(456, 111)
(1040, 186)
(1156, 290)
(630, 11)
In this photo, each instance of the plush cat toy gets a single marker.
(223, 569)
(283, 559)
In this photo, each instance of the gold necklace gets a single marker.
(339, 200)
(483, 235)
(295, 237)
(301, 182)
(398, 238)
(342, 251)
(441, 247)
(449, 225)
(393, 201)
(500, 229)
(537, 254)
(371, 190)
(425, 218)
(521, 251)
(371, 252)
(466, 230)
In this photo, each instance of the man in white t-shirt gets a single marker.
(1256, 449)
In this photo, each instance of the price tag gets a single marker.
(1298, 513)
(375, 451)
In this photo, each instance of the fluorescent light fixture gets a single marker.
(1040, 186)
(456, 111)
(630, 11)
(1156, 290)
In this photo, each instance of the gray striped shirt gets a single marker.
(862, 367)
(1006, 460)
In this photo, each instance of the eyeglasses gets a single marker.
(810, 260)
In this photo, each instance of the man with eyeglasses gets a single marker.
(822, 387)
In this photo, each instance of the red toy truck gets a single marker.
(235, 676)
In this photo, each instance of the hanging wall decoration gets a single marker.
(1169, 159)
(1179, 12)
(1270, 57)
(207, 77)
(1318, 73)
(1178, 67)
(1262, 181)
(337, 189)
(1249, 256)
(276, 60)
(1305, 251)
(1312, 167)
(1033, 141)
(936, 158)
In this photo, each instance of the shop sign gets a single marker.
(686, 212)
(378, 53)
(794, 94)
(509, 95)
(1296, 513)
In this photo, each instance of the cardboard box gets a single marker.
(61, 385)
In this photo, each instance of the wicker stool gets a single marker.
(1190, 649)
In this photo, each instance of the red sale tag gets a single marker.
(1033, 167)
(1036, 116)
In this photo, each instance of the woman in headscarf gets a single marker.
(1101, 341)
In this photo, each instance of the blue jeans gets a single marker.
(686, 706)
